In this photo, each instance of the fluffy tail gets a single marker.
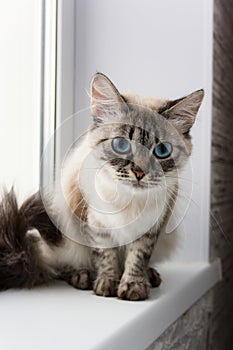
(21, 264)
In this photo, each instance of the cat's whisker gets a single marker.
(228, 240)
(156, 203)
(83, 208)
(71, 192)
(188, 198)
(74, 209)
(171, 198)
(81, 216)
(182, 179)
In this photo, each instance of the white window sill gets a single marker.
(60, 317)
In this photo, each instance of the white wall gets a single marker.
(161, 48)
(20, 38)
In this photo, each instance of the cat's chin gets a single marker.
(140, 185)
(136, 184)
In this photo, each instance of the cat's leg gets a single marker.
(78, 278)
(134, 284)
(108, 272)
(73, 264)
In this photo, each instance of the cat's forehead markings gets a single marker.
(131, 132)
(137, 133)
(146, 119)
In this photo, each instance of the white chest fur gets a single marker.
(117, 213)
(123, 212)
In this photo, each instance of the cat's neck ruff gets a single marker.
(122, 212)
(117, 213)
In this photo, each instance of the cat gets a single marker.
(116, 192)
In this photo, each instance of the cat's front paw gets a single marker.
(153, 277)
(106, 286)
(80, 279)
(134, 290)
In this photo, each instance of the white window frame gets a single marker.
(58, 82)
(20, 36)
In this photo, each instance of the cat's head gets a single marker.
(140, 141)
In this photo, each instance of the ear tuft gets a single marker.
(104, 96)
(183, 113)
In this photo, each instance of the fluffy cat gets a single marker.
(117, 190)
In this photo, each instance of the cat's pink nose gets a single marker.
(138, 172)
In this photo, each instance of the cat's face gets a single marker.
(140, 146)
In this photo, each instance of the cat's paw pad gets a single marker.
(106, 287)
(153, 277)
(133, 290)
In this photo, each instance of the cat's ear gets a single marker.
(182, 113)
(104, 97)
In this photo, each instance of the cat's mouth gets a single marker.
(136, 184)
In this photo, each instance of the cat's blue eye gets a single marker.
(163, 150)
(121, 145)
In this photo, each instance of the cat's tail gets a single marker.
(24, 251)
